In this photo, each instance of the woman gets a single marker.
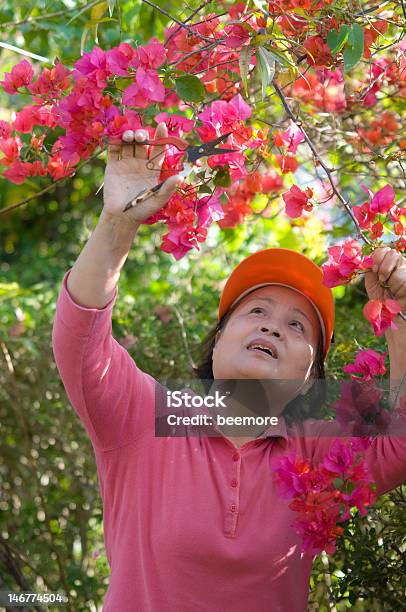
(195, 522)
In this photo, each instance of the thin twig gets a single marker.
(183, 25)
(321, 162)
(4, 211)
(199, 8)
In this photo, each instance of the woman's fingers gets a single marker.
(128, 146)
(389, 260)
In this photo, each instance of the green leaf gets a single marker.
(244, 63)
(354, 48)
(222, 178)
(190, 89)
(336, 40)
(111, 4)
(266, 65)
(9, 290)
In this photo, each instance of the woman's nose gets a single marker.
(266, 329)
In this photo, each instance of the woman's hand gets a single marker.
(389, 268)
(126, 177)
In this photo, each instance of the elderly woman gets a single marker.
(195, 522)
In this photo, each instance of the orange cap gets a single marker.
(282, 267)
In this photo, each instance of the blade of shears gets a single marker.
(193, 153)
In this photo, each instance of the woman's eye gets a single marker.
(299, 323)
(256, 309)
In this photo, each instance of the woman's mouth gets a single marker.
(263, 349)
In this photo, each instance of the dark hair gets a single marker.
(297, 409)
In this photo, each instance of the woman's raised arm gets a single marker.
(114, 399)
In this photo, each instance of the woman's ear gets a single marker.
(218, 334)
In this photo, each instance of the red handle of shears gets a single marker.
(179, 143)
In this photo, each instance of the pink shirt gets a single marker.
(190, 523)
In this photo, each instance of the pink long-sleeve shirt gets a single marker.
(191, 524)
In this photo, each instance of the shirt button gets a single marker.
(233, 508)
(236, 456)
(233, 483)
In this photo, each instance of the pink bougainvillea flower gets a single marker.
(5, 129)
(176, 124)
(296, 201)
(338, 460)
(17, 172)
(180, 240)
(119, 58)
(150, 56)
(343, 263)
(209, 210)
(292, 137)
(382, 201)
(381, 314)
(20, 76)
(94, 66)
(359, 411)
(361, 497)
(289, 472)
(147, 88)
(369, 363)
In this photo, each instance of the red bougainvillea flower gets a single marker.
(364, 215)
(318, 52)
(287, 163)
(369, 363)
(51, 83)
(319, 535)
(20, 76)
(381, 314)
(271, 181)
(297, 200)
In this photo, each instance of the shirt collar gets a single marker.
(272, 431)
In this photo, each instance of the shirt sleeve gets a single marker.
(385, 457)
(113, 398)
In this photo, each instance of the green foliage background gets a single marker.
(51, 516)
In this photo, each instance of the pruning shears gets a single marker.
(192, 152)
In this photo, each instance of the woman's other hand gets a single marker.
(389, 268)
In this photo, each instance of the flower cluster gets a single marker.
(368, 363)
(344, 262)
(325, 496)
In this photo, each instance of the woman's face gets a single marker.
(276, 315)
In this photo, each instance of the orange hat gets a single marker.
(287, 268)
